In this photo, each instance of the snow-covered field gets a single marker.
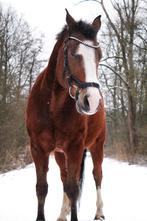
(124, 191)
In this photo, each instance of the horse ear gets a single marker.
(69, 19)
(97, 23)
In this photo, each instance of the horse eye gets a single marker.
(73, 54)
(76, 56)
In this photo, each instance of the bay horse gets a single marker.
(65, 115)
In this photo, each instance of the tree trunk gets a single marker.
(133, 138)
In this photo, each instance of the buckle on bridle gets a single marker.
(76, 92)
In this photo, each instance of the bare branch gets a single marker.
(122, 79)
(111, 57)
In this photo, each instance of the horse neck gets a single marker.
(60, 96)
(49, 75)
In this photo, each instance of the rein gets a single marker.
(79, 85)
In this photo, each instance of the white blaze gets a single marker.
(89, 60)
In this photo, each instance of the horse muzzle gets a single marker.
(88, 102)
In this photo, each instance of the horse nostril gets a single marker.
(86, 103)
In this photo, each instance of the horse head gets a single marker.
(79, 57)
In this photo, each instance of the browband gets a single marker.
(90, 46)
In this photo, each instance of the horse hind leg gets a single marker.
(97, 158)
(71, 185)
(66, 207)
(41, 164)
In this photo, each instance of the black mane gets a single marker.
(84, 28)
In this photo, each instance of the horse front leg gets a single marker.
(66, 207)
(41, 164)
(97, 157)
(71, 185)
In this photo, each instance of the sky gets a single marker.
(48, 17)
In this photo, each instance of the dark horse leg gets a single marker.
(65, 209)
(97, 157)
(71, 185)
(41, 164)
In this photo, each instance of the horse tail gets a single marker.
(82, 170)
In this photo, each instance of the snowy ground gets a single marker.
(124, 193)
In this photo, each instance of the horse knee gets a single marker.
(97, 174)
(41, 190)
(71, 188)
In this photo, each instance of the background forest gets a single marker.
(124, 73)
(123, 76)
(19, 64)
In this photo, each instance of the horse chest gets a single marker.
(68, 130)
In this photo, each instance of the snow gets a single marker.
(124, 191)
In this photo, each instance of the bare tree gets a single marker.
(19, 63)
(19, 55)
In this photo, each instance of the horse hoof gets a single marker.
(60, 219)
(101, 218)
(40, 219)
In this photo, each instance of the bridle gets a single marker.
(72, 80)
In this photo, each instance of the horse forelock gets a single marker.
(87, 30)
